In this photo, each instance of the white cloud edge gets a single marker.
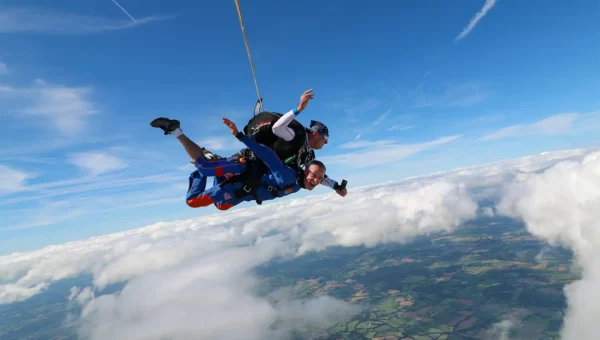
(558, 124)
(66, 108)
(12, 180)
(52, 21)
(97, 162)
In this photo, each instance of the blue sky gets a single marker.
(406, 88)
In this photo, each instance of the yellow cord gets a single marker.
(237, 5)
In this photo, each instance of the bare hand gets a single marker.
(306, 96)
(231, 126)
(342, 192)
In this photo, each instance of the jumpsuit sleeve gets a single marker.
(327, 181)
(281, 129)
(283, 174)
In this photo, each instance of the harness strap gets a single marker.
(251, 181)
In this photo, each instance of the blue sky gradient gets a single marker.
(405, 87)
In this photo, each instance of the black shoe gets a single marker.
(246, 153)
(166, 124)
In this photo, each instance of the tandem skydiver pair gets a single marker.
(278, 160)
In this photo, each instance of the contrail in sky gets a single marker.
(478, 16)
(124, 11)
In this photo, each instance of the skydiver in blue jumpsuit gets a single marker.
(280, 181)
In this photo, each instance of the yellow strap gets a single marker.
(237, 5)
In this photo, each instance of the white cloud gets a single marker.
(385, 152)
(366, 144)
(217, 144)
(50, 21)
(65, 108)
(10, 293)
(354, 107)
(437, 206)
(501, 330)
(11, 180)
(588, 121)
(215, 288)
(488, 212)
(97, 162)
(182, 271)
(26, 159)
(544, 254)
(200, 268)
(90, 184)
(457, 95)
(487, 6)
(554, 125)
(560, 206)
(81, 295)
(382, 117)
(93, 197)
(489, 179)
(3, 69)
(400, 128)
(423, 79)
(51, 212)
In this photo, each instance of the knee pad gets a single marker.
(223, 206)
(200, 201)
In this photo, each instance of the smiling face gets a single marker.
(313, 176)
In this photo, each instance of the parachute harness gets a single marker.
(237, 5)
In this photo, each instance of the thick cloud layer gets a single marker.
(562, 206)
(183, 271)
(210, 298)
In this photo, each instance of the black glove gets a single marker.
(337, 186)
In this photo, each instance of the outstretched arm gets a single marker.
(280, 128)
(282, 173)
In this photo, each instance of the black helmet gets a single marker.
(320, 128)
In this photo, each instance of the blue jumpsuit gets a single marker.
(280, 175)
